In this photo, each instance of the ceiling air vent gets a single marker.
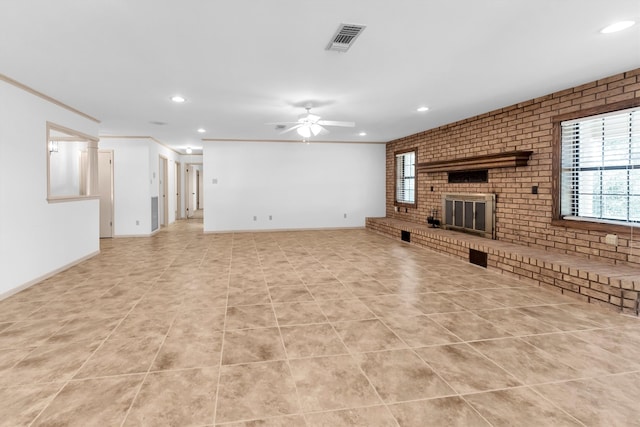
(345, 36)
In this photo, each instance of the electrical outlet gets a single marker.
(137, 222)
(270, 217)
(214, 181)
(255, 218)
(611, 239)
(345, 215)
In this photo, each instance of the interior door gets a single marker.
(105, 189)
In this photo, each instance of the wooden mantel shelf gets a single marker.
(491, 161)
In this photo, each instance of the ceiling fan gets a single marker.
(309, 124)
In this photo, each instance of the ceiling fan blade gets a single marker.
(336, 123)
(324, 131)
(280, 123)
(291, 128)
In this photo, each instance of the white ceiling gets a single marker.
(244, 63)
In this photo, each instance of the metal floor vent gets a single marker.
(345, 36)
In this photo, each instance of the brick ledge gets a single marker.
(592, 281)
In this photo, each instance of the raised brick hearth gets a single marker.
(597, 282)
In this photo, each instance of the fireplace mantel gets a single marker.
(507, 159)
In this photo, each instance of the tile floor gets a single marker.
(321, 328)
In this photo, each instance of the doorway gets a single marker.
(163, 213)
(193, 190)
(178, 182)
(105, 190)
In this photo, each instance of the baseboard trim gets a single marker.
(270, 230)
(30, 283)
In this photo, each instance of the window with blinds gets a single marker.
(600, 167)
(406, 177)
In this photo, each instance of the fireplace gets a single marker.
(471, 213)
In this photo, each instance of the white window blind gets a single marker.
(405, 177)
(600, 178)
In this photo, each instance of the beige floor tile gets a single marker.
(188, 351)
(11, 356)
(465, 369)
(117, 357)
(519, 406)
(431, 303)
(185, 397)
(248, 296)
(516, 322)
(596, 402)
(84, 328)
(622, 342)
(344, 310)
(252, 345)
(448, 411)
(250, 316)
(330, 291)
(28, 333)
(472, 300)
(509, 297)
(561, 319)
(311, 340)
(419, 331)
(286, 421)
(586, 358)
(368, 335)
(527, 363)
(289, 294)
(255, 391)
(468, 326)
(21, 405)
(373, 416)
(389, 305)
(135, 325)
(400, 375)
(93, 402)
(326, 383)
(367, 288)
(49, 363)
(198, 322)
(12, 311)
(298, 313)
(188, 279)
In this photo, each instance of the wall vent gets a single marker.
(345, 36)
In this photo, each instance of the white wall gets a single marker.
(299, 185)
(37, 238)
(136, 179)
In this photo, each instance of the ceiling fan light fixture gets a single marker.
(617, 26)
(362, 134)
(304, 131)
(422, 109)
(189, 150)
(178, 99)
(201, 130)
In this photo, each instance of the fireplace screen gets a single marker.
(473, 213)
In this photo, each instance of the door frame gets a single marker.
(112, 184)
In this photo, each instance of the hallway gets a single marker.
(316, 328)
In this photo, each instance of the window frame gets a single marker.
(556, 213)
(415, 178)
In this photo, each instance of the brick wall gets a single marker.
(522, 217)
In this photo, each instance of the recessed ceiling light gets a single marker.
(423, 109)
(201, 130)
(189, 150)
(362, 134)
(618, 26)
(178, 99)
